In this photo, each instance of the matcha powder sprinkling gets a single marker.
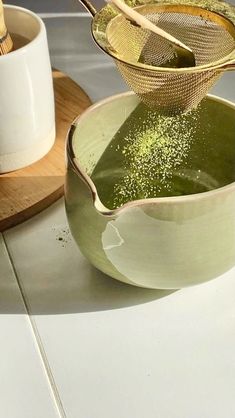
(151, 155)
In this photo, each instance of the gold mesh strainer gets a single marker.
(207, 27)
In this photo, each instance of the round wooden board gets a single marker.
(25, 192)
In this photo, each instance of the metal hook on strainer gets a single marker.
(209, 32)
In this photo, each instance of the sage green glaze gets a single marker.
(166, 242)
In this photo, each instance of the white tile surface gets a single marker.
(24, 388)
(118, 351)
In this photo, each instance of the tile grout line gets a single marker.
(38, 340)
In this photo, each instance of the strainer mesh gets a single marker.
(210, 36)
(170, 93)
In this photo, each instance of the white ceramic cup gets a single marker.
(27, 116)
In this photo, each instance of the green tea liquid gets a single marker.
(157, 156)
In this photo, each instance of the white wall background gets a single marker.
(55, 6)
(58, 6)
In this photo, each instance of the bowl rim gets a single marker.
(220, 191)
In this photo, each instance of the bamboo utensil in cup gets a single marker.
(6, 44)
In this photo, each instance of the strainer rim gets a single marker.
(215, 65)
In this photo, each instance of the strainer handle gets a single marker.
(90, 8)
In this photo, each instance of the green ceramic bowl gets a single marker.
(184, 236)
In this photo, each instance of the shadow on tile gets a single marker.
(89, 292)
(10, 299)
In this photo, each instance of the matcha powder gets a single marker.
(152, 153)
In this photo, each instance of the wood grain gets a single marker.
(25, 192)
